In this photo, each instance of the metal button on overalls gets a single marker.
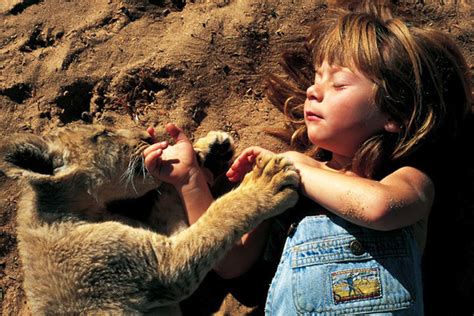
(356, 248)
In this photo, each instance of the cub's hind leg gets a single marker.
(215, 152)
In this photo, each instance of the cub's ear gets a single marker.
(27, 155)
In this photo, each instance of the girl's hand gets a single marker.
(173, 164)
(244, 163)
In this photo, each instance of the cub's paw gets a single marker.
(275, 176)
(215, 152)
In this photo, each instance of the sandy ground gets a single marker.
(143, 63)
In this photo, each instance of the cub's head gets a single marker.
(79, 168)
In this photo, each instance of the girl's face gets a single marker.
(338, 112)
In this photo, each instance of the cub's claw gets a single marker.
(274, 172)
(215, 152)
(274, 180)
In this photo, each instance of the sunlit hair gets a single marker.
(420, 76)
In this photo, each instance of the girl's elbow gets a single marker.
(388, 216)
(381, 223)
(381, 217)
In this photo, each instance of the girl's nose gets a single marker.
(314, 93)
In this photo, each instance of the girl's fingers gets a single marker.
(151, 131)
(152, 160)
(241, 166)
(234, 176)
(176, 133)
(156, 146)
(244, 163)
(238, 174)
(231, 175)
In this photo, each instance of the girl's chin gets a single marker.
(314, 140)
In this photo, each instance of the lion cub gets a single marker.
(80, 257)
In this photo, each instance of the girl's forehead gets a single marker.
(335, 67)
(330, 67)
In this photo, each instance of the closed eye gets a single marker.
(339, 86)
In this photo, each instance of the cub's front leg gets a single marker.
(268, 190)
(272, 184)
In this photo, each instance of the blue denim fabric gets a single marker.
(332, 267)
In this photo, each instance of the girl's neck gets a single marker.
(338, 162)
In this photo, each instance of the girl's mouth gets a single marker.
(311, 116)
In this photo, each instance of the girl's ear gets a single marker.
(392, 126)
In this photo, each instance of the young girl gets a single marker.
(385, 99)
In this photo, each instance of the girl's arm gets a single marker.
(245, 253)
(398, 200)
(176, 164)
(195, 195)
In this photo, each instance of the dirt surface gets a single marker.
(143, 63)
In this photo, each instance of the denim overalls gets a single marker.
(332, 267)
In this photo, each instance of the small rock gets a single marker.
(86, 117)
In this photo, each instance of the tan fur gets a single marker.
(79, 257)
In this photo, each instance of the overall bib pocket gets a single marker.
(354, 273)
